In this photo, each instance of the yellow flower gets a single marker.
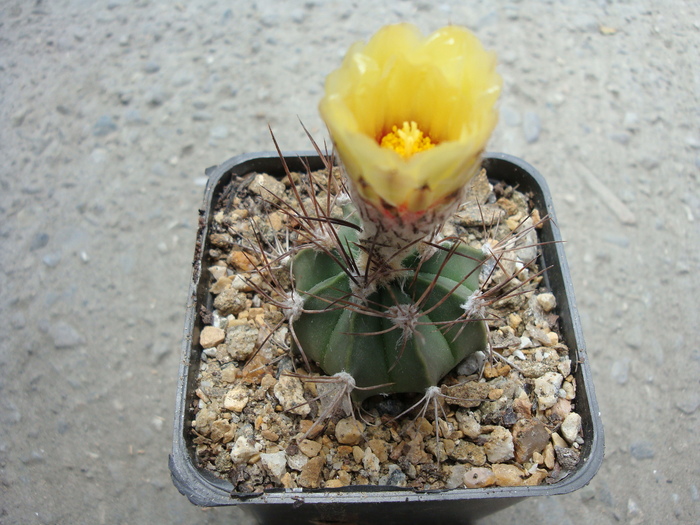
(410, 115)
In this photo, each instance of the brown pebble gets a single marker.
(310, 448)
(380, 449)
(333, 484)
(211, 336)
(479, 477)
(311, 473)
(529, 436)
(242, 261)
(499, 369)
(348, 431)
(508, 475)
(269, 435)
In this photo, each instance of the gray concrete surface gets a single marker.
(111, 111)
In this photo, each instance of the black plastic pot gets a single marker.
(385, 505)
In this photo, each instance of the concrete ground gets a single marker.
(112, 109)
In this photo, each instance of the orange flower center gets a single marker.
(406, 141)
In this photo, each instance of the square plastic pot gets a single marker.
(365, 504)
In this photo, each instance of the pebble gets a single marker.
(456, 477)
(265, 185)
(508, 475)
(311, 473)
(51, 259)
(289, 391)
(468, 424)
(567, 457)
(531, 126)
(468, 395)
(244, 449)
(151, 67)
(529, 436)
(499, 446)
(241, 341)
(65, 335)
(230, 301)
(395, 477)
(479, 477)
(468, 452)
(104, 126)
(348, 431)
(571, 427)
(642, 450)
(236, 399)
(202, 116)
(38, 241)
(547, 389)
(547, 301)
(211, 336)
(275, 463)
(309, 448)
(472, 364)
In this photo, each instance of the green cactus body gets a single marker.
(341, 339)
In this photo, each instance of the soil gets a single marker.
(262, 420)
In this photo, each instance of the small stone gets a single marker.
(532, 126)
(508, 475)
(571, 427)
(548, 456)
(236, 399)
(266, 186)
(104, 126)
(222, 430)
(547, 389)
(38, 241)
(241, 341)
(395, 478)
(151, 67)
(243, 450)
(211, 336)
(311, 473)
(309, 448)
(230, 302)
(203, 421)
(202, 116)
(65, 336)
(333, 484)
(456, 477)
(499, 446)
(468, 424)
(567, 457)
(642, 450)
(380, 448)
(558, 441)
(51, 259)
(370, 462)
(242, 261)
(348, 431)
(468, 395)
(289, 391)
(547, 301)
(472, 364)
(275, 463)
(479, 477)
(297, 461)
(529, 436)
(468, 452)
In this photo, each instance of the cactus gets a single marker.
(407, 334)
